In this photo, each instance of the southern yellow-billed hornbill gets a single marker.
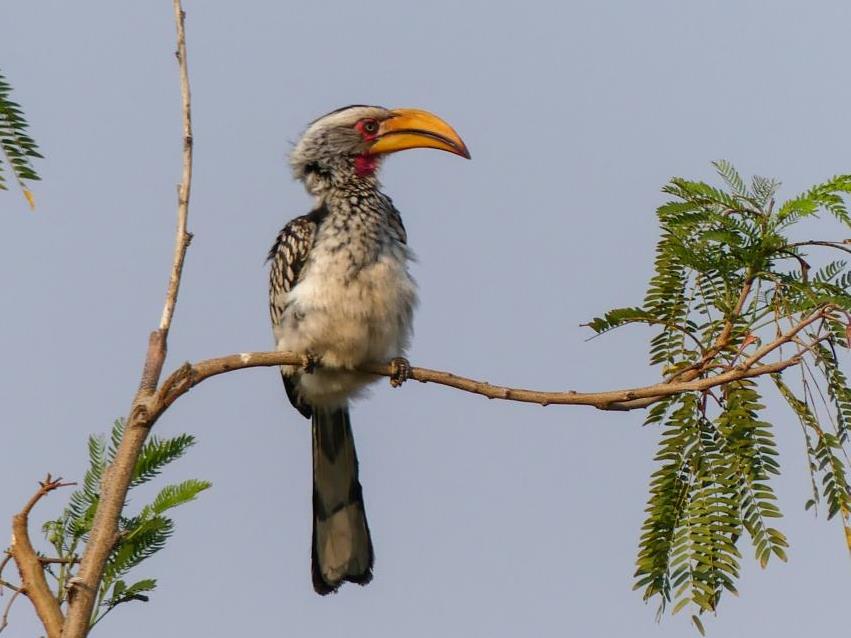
(340, 293)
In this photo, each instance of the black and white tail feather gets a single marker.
(342, 546)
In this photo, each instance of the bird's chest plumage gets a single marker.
(354, 300)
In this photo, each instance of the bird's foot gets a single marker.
(400, 370)
(309, 362)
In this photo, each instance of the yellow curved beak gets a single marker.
(415, 128)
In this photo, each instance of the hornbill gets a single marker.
(341, 295)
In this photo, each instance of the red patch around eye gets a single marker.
(365, 164)
(364, 133)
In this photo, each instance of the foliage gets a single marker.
(728, 278)
(18, 147)
(139, 536)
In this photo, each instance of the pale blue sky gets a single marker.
(488, 518)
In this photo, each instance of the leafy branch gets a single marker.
(138, 537)
(730, 288)
(18, 147)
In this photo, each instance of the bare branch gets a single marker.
(116, 479)
(33, 582)
(4, 621)
(188, 376)
(4, 583)
(5, 562)
(183, 191)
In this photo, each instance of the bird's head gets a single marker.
(350, 142)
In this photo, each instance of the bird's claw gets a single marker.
(309, 362)
(400, 370)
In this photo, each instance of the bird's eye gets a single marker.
(370, 127)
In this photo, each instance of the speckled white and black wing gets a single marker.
(395, 219)
(288, 256)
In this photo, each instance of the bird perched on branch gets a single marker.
(341, 295)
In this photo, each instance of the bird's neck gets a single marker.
(355, 200)
(346, 176)
(356, 229)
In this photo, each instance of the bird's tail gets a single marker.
(342, 547)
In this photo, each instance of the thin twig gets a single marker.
(52, 560)
(4, 621)
(724, 338)
(789, 335)
(803, 263)
(829, 244)
(7, 585)
(184, 189)
(5, 562)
